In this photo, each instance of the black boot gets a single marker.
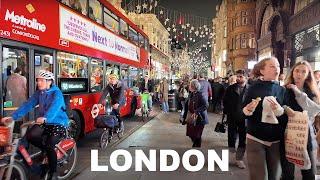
(53, 176)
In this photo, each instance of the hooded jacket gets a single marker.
(51, 106)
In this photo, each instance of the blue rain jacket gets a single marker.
(51, 106)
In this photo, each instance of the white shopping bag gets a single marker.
(296, 139)
(268, 115)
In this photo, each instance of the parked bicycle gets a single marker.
(104, 119)
(17, 163)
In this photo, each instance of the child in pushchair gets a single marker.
(108, 122)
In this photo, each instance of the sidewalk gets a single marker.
(165, 132)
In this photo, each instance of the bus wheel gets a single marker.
(75, 126)
(133, 107)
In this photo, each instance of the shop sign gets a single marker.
(79, 30)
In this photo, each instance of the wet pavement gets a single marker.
(165, 132)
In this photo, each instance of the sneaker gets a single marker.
(240, 164)
(232, 157)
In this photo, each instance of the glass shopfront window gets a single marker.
(72, 66)
(95, 11)
(96, 79)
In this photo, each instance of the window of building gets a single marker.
(244, 21)
(244, 13)
(96, 79)
(252, 42)
(78, 5)
(265, 21)
(224, 31)
(111, 21)
(123, 28)
(72, 66)
(243, 41)
(95, 11)
(238, 21)
(237, 41)
(133, 35)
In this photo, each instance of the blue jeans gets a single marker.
(165, 106)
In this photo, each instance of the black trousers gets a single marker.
(236, 128)
(196, 142)
(39, 138)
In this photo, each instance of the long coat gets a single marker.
(200, 105)
(164, 90)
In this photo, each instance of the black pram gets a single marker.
(106, 121)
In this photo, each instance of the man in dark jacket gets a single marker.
(115, 89)
(218, 92)
(236, 120)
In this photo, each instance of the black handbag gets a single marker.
(221, 126)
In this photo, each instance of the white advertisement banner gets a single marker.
(79, 30)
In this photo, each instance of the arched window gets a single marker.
(265, 21)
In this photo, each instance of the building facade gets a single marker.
(272, 31)
(289, 30)
(219, 41)
(241, 42)
(159, 44)
(304, 31)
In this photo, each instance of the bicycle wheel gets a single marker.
(66, 165)
(18, 171)
(104, 139)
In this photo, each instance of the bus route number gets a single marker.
(4, 33)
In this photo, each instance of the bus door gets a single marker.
(15, 78)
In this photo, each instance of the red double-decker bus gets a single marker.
(81, 41)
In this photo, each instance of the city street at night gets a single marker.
(160, 89)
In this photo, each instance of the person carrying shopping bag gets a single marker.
(262, 107)
(195, 114)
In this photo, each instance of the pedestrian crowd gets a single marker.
(258, 105)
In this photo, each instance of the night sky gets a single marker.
(203, 8)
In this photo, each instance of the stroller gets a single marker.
(108, 122)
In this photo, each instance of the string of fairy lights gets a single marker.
(187, 31)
